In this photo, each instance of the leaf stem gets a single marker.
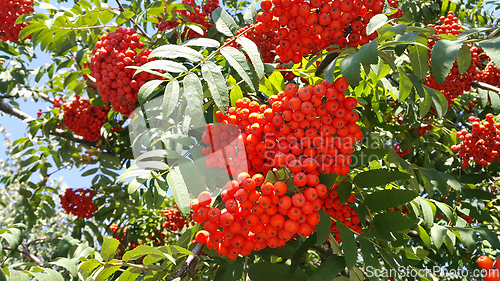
(234, 38)
(83, 28)
(134, 22)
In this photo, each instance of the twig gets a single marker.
(191, 260)
(134, 22)
(46, 98)
(133, 265)
(26, 253)
(35, 241)
(245, 268)
(58, 132)
(485, 86)
(84, 28)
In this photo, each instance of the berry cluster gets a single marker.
(492, 268)
(10, 10)
(175, 221)
(399, 151)
(202, 15)
(342, 212)
(482, 144)
(83, 119)
(266, 41)
(455, 83)
(305, 27)
(78, 202)
(259, 214)
(311, 130)
(490, 75)
(110, 58)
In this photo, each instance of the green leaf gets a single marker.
(14, 238)
(328, 64)
(464, 58)
(344, 189)
(379, 177)
(419, 59)
(328, 269)
(109, 247)
(370, 255)
(179, 190)
(254, 53)
(166, 65)
(131, 274)
(107, 272)
(170, 98)
(405, 87)
(441, 180)
(277, 81)
(492, 49)
(176, 51)
(350, 67)
(216, 84)
(30, 29)
(308, 243)
(376, 22)
(385, 199)
(141, 251)
(8, 48)
(495, 101)
(369, 52)
(425, 105)
(438, 234)
(348, 244)
(250, 14)
(68, 264)
(392, 222)
(191, 175)
(267, 271)
(443, 56)
(193, 90)
(224, 23)
(235, 95)
(147, 90)
(229, 271)
(439, 100)
(323, 227)
(88, 267)
(427, 211)
(468, 237)
(424, 236)
(202, 42)
(447, 211)
(65, 245)
(239, 62)
(489, 235)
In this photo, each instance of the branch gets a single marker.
(134, 22)
(132, 265)
(485, 86)
(46, 98)
(188, 266)
(26, 253)
(58, 132)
